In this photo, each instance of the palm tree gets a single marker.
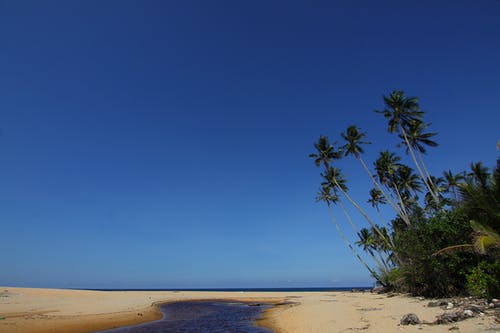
(334, 177)
(407, 182)
(479, 174)
(327, 195)
(326, 152)
(451, 182)
(386, 167)
(418, 139)
(376, 199)
(401, 111)
(353, 147)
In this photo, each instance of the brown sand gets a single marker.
(80, 311)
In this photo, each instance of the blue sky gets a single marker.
(164, 144)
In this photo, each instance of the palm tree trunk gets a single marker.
(412, 153)
(356, 231)
(434, 187)
(374, 226)
(349, 245)
(403, 206)
(377, 185)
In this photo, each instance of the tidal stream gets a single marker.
(202, 317)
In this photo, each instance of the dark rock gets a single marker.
(450, 317)
(410, 319)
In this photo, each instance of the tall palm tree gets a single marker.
(400, 112)
(354, 141)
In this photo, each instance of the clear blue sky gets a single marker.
(164, 143)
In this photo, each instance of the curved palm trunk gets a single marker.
(377, 185)
(349, 245)
(419, 169)
(348, 216)
(374, 226)
(356, 231)
(434, 186)
(386, 224)
(403, 206)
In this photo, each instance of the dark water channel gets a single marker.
(202, 317)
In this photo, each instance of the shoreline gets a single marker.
(81, 311)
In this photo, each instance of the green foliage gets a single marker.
(428, 275)
(484, 279)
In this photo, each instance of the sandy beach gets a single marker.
(81, 311)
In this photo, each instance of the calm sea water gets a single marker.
(246, 289)
(202, 317)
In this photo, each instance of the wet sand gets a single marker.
(82, 311)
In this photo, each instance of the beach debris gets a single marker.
(2, 318)
(450, 317)
(468, 313)
(453, 328)
(449, 306)
(410, 319)
(437, 303)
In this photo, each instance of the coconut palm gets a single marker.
(376, 199)
(334, 177)
(451, 182)
(354, 147)
(401, 112)
(326, 152)
(479, 174)
(407, 181)
(386, 167)
(367, 242)
(418, 140)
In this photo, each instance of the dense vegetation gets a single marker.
(443, 238)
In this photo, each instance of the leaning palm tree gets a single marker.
(367, 243)
(418, 139)
(325, 154)
(354, 141)
(334, 176)
(327, 195)
(400, 112)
